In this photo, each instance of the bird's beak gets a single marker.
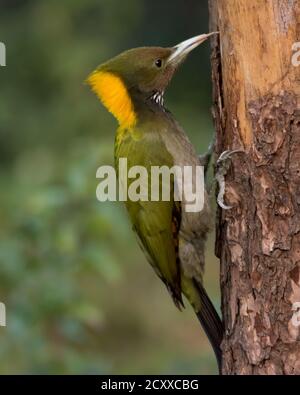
(181, 50)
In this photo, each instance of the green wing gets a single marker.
(155, 223)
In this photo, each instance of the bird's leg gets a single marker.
(205, 158)
(222, 167)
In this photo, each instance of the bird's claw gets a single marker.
(223, 158)
(222, 167)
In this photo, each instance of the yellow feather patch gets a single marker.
(114, 95)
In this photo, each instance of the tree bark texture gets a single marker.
(256, 91)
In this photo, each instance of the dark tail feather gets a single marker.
(211, 323)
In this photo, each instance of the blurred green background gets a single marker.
(79, 294)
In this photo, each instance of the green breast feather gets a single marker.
(155, 222)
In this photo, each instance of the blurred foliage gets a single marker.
(80, 297)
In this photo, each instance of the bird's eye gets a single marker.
(158, 63)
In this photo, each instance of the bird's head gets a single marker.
(139, 74)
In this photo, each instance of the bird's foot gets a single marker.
(222, 167)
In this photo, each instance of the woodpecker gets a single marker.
(131, 86)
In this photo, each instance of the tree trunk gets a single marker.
(256, 109)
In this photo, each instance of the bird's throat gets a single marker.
(115, 97)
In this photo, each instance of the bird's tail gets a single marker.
(211, 322)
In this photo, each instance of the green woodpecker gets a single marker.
(131, 86)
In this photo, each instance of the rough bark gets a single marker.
(257, 110)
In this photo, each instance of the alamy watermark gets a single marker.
(296, 315)
(296, 55)
(2, 54)
(137, 183)
(2, 314)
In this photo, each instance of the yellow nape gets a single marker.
(114, 95)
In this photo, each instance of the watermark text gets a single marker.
(159, 183)
(2, 54)
(296, 55)
(2, 314)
